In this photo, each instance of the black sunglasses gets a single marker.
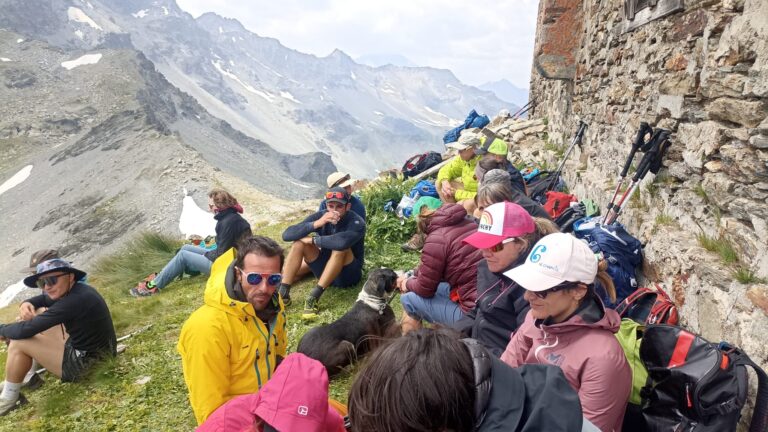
(560, 287)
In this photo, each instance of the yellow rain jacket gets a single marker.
(459, 168)
(226, 350)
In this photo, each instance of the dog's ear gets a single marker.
(381, 285)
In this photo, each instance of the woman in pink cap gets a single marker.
(569, 327)
(294, 399)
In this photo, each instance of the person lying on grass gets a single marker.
(66, 304)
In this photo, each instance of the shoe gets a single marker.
(311, 308)
(414, 244)
(34, 382)
(8, 405)
(286, 295)
(144, 290)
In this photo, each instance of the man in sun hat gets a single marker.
(340, 179)
(460, 169)
(70, 303)
(331, 243)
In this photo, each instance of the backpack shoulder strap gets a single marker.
(760, 414)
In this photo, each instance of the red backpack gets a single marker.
(649, 306)
(558, 202)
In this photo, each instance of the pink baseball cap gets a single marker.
(555, 259)
(499, 222)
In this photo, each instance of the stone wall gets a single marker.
(703, 74)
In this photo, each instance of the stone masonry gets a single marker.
(703, 74)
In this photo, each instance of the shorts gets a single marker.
(75, 363)
(349, 276)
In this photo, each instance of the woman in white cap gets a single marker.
(568, 326)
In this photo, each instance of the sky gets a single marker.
(480, 41)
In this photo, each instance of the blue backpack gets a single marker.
(424, 188)
(624, 254)
(473, 120)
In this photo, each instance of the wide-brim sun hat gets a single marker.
(555, 259)
(340, 179)
(50, 266)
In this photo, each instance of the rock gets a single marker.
(713, 166)
(671, 103)
(518, 136)
(743, 112)
(759, 141)
(722, 84)
(758, 295)
(677, 62)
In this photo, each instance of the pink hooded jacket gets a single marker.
(586, 349)
(294, 399)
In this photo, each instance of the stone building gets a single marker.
(700, 69)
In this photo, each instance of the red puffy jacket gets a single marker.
(445, 258)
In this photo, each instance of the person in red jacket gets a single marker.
(443, 286)
(569, 327)
(294, 399)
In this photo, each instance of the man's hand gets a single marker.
(447, 189)
(26, 311)
(328, 217)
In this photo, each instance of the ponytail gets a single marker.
(604, 279)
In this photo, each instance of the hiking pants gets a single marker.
(190, 258)
(436, 309)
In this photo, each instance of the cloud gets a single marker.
(479, 41)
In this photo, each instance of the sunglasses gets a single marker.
(47, 280)
(336, 195)
(498, 247)
(561, 287)
(273, 279)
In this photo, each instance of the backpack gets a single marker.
(624, 254)
(567, 218)
(424, 188)
(630, 336)
(538, 185)
(649, 306)
(557, 202)
(695, 385)
(420, 163)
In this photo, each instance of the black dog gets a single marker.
(358, 331)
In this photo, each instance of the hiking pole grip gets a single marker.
(644, 129)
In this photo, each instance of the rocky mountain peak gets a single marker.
(217, 24)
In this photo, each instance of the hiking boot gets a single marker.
(33, 383)
(285, 293)
(414, 244)
(311, 308)
(8, 405)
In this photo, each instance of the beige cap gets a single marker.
(339, 179)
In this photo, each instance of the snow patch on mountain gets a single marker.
(5, 59)
(141, 14)
(77, 15)
(287, 95)
(16, 179)
(87, 59)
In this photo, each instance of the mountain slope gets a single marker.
(365, 118)
(507, 91)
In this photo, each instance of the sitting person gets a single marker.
(443, 287)
(299, 383)
(339, 179)
(497, 187)
(461, 169)
(331, 244)
(430, 380)
(230, 228)
(66, 304)
(569, 327)
(231, 345)
(491, 161)
(500, 307)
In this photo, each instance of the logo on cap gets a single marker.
(486, 221)
(303, 410)
(536, 253)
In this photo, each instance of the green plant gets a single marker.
(746, 276)
(719, 245)
(700, 191)
(664, 219)
(653, 189)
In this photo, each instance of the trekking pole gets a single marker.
(652, 161)
(523, 109)
(576, 140)
(639, 141)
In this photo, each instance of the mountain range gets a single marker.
(507, 91)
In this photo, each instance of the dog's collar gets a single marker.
(376, 303)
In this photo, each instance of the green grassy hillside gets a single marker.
(143, 389)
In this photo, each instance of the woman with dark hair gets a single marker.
(568, 326)
(230, 228)
(430, 380)
(490, 161)
(500, 307)
(442, 288)
(496, 187)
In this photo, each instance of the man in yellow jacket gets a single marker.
(231, 345)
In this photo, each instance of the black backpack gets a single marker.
(539, 185)
(695, 385)
(420, 163)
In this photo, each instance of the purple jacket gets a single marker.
(586, 349)
(445, 258)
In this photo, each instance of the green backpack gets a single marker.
(630, 336)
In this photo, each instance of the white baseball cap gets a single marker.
(555, 259)
(498, 222)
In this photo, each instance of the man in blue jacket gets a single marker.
(331, 243)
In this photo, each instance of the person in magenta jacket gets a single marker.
(294, 399)
(443, 287)
(568, 326)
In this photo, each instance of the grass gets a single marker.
(112, 398)
(662, 220)
(721, 246)
(746, 276)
